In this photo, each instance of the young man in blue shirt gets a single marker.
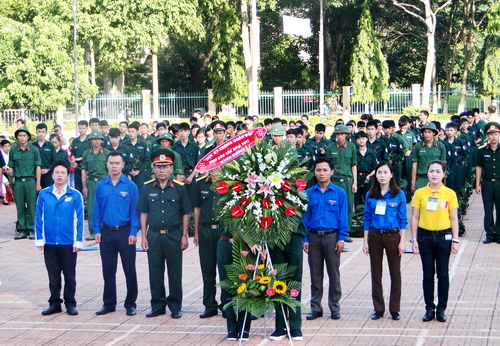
(327, 222)
(59, 233)
(116, 222)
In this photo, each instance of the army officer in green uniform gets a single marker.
(25, 163)
(165, 205)
(488, 181)
(93, 171)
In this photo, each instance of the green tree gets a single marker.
(369, 71)
(490, 64)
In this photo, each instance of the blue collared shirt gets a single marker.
(327, 210)
(395, 212)
(115, 205)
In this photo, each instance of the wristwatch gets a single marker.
(412, 240)
(456, 241)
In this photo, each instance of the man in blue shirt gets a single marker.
(116, 222)
(327, 222)
(59, 233)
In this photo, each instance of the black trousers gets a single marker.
(112, 244)
(61, 258)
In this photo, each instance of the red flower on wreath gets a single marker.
(237, 211)
(301, 184)
(266, 203)
(222, 187)
(279, 201)
(266, 222)
(237, 186)
(244, 201)
(285, 185)
(290, 211)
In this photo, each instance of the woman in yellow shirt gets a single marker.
(434, 216)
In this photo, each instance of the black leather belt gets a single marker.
(385, 231)
(210, 225)
(342, 180)
(26, 179)
(117, 228)
(166, 230)
(325, 232)
(440, 232)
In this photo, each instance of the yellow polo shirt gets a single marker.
(439, 219)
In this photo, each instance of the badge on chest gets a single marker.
(381, 207)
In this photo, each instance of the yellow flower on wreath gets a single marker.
(279, 286)
(265, 280)
(261, 266)
(242, 288)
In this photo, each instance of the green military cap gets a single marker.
(95, 135)
(166, 135)
(277, 130)
(162, 157)
(23, 129)
(492, 127)
(218, 125)
(341, 129)
(429, 126)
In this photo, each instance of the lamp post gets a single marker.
(321, 61)
(75, 63)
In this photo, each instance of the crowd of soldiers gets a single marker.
(162, 163)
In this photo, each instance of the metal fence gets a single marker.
(109, 106)
(180, 104)
(398, 99)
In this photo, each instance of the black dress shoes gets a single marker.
(429, 315)
(176, 315)
(131, 311)
(314, 315)
(105, 310)
(486, 241)
(71, 310)
(52, 310)
(208, 313)
(377, 315)
(335, 315)
(154, 313)
(395, 316)
(440, 316)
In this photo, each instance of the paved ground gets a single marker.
(472, 312)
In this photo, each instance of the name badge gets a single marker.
(447, 237)
(432, 203)
(67, 199)
(380, 208)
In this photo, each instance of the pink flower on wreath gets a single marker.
(244, 253)
(250, 267)
(252, 179)
(294, 292)
(270, 292)
(273, 272)
(266, 189)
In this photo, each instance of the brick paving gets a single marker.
(472, 312)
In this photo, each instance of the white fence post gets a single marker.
(415, 95)
(146, 106)
(278, 101)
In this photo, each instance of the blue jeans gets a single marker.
(435, 255)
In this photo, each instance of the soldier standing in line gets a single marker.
(79, 145)
(140, 155)
(48, 155)
(115, 145)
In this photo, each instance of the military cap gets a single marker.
(23, 129)
(277, 130)
(341, 129)
(162, 157)
(95, 135)
(492, 127)
(429, 126)
(218, 125)
(166, 135)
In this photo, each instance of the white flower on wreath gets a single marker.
(275, 179)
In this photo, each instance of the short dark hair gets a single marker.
(94, 121)
(230, 123)
(184, 126)
(57, 126)
(284, 122)
(321, 160)
(56, 136)
(83, 123)
(453, 124)
(195, 126)
(114, 132)
(276, 120)
(174, 128)
(403, 120)
(41, 126)
(437, 124)
(372, 123)
(360, 134)
(361, 123)
(268, 121)
(124, 122)
(424, 112)
(241, 127)
(21, 121)
(103, 123)
(134, 125)
(114, 153)
(455, 118)
(193, 119)
(292, 132)
(63, 163)
(158, 125)
(388, 123)
(304, 115)
(320, 128)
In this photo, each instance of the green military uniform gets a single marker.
(379, 147)
(409, 140)
(304, 153)
(178, 160)
(316, 146)
(424, 154)
(208, 237)
(94, 163)
(78, 147)
(48, 157)
(344, 158)
(189, 155)
(396, 154)
(24, 163)
(62, 155)
(366, 164)
(489, 162)
(140, 160)
(165, 208)
(127, 156)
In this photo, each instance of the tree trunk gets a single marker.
(247, 53)
(113, 84)
(430, 21)
(332, 74)
(92, 75)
